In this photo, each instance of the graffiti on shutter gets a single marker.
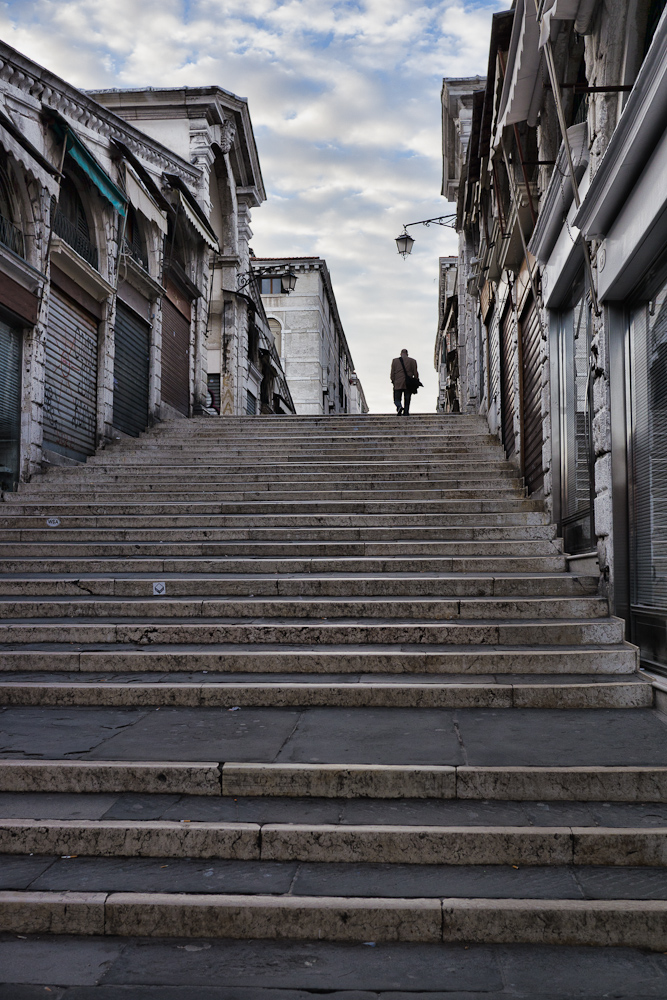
(175, 358)
(130, 372)
(507, 381)
(70, 384)
(531, 367)
(10, 404)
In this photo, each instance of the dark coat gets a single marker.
(398, 375)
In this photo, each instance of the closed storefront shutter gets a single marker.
(648, 494)
(10, 404)
(70, 385)
(531, 369)
(507, 382)
(130, 372)
(175, 358)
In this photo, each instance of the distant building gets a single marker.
(309, 336)
(445, 357)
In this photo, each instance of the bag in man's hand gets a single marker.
(412, 383)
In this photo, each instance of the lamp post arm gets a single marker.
(441, 220)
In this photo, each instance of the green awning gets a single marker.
(91, 168)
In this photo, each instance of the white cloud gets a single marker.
(344, 97)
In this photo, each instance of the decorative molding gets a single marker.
(227, 135)
(52, 92)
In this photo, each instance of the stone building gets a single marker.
(124, 224)
(309, 336)
(561, 299)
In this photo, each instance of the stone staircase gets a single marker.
(335, 673)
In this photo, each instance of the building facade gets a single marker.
(309, 336)
(124, 225)
(562, 281)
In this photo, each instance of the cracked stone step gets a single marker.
(608, 631)
(610, 660)
(300, 585)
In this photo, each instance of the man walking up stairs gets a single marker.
(297, 704)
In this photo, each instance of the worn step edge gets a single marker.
(337, 843)
(616, 694)
(574, 784)
(618, 660)
(629, 923)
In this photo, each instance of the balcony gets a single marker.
(70, 234)
(12, 237)
(136, 252)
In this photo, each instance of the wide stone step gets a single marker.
(370, 606)
(622, 922)
(465, 555)
(513, 542)
(421, 539)
(148, 630)
(250, 516)
(322, 659)
(26, 515)
(266, 474)
(338, 843)
(25, 501)
(119, 486)
(447, 795)
(267, 564)
(601, 692)
(301, 585)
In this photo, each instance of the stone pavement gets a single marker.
(315, 702)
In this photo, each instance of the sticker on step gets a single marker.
(52, 522)
(159, 589)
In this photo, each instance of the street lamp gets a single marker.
(405, 242)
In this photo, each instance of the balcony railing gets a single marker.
(11, 236)
(136, 253)
(70, 234)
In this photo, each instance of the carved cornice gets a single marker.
(43, 86)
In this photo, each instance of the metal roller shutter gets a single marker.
(130, 372)
(10, 405)
(531, 370)
(494, 359)
(507, 382)
(648, 495)
(175, 358)
(70, 388)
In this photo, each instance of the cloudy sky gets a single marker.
(345, 102)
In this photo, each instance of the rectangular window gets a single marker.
(250, 403)
(271, 286)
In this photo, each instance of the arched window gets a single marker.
(134, 244)
(277, 331)
(69, 221)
